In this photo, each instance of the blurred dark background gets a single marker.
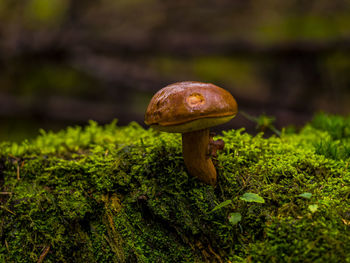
(63, 62)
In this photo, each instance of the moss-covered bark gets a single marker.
(122, 194)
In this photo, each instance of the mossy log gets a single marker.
(122, 194)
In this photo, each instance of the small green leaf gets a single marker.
(306, 195)
(251, 197)
(221, 205)
(313, 208)
(234, 218)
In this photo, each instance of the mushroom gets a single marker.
(191, 108)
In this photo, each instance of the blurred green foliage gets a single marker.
(226, 70)
(55, 80)
(304, 27)
(288, 57)
(241, 74)
(48, 12)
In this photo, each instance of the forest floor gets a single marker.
(122, 194)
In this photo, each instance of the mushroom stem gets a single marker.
(196, 157)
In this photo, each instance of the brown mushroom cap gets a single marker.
(189, 106)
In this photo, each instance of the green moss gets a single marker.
(122, 194)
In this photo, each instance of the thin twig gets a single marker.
(18, 178)
(7, 246)
(216, 255)
(5, 193)
(8, 210)
(43, 254)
